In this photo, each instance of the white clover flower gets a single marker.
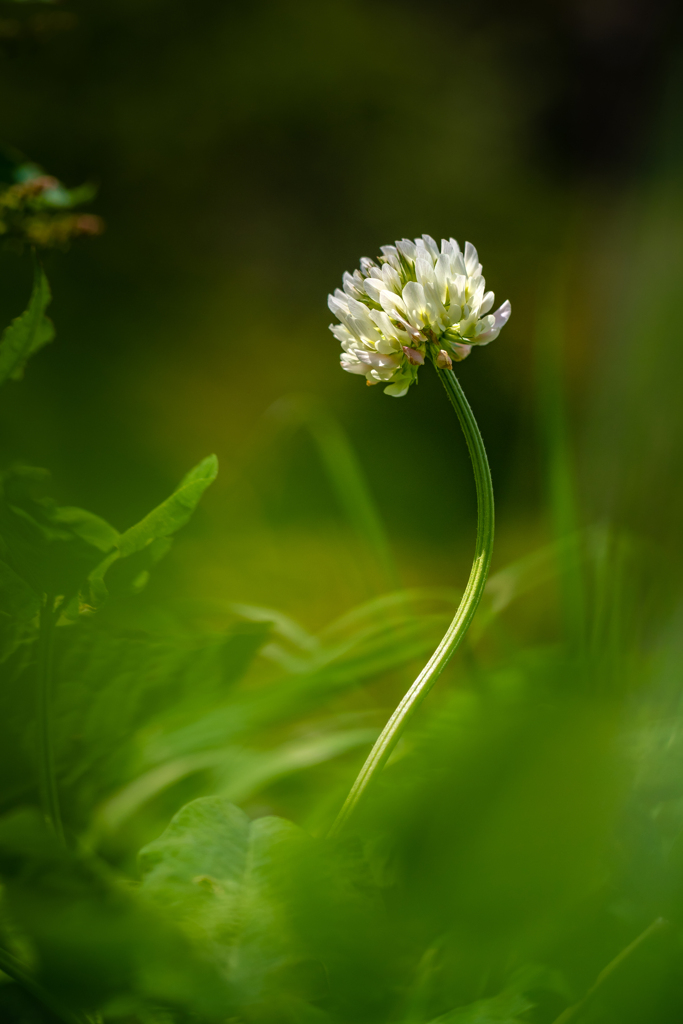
(415, 296)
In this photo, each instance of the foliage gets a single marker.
(34, 205)
(518, 861)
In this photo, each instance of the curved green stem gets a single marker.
(49, 795)
(464, 615)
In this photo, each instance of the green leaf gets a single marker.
(151, 535)
(97, 942)
(91, 528)
(19, 605)
(506, 1008)
(52, 549)
(227, 878)
(28, 333)
(239, 772)
(173, 513)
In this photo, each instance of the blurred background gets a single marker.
(246, 155)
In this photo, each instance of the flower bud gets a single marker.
(444, 361)
(414, 357)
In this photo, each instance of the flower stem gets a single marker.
(49, 796)
(473, 593)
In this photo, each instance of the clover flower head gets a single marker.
(413, 296)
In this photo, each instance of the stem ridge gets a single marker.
(474, 590)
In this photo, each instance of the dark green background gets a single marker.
(246, 156)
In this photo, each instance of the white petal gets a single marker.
(415, 303)
(352, 286)
(484, 325)
(502, 314)
(477, 296)
(368, 267)
(392, 337)
(487, 337)
(336, 305)
(373, 286)
(407, 248)
(458, 265)
(392, 282)
(392, 303)
(342, 334)
(486, 303)
(441, 275)
(424, 269)
(431, 246)
(352, 365)
(471, 258)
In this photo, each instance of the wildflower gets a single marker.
(415, 296)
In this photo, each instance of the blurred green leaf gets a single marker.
(28, 333)
(51, 548)
(239, 773)
(226, 879)
(97, 943)
(19, 606)
(158, 525)
(506, 1008)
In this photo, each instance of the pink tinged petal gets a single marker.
(460, 352)
(431, 246)
(502, 314)
(486, 303)
(414, 357)
(443, 360)
(487, 337)
(471, 258)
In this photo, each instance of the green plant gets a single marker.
(497, 839)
